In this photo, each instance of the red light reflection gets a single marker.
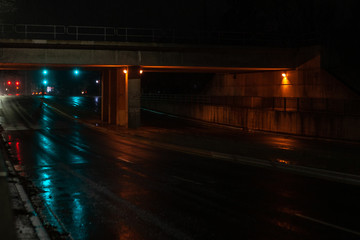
(18, 155)
(16, 148)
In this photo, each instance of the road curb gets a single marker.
(7, 222)
(34, 219)
(255, 162)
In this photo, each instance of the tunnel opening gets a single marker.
(175, 83)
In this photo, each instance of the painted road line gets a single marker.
(311, 172)
(124, 160)
(3, 174)
(328, 224)
(321, 173)
(187, 180)
(252, 161)
(221, 155)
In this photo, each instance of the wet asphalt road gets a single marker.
(102, 186)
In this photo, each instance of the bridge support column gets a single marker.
(134, 92)
(105, 81)
(121, 97)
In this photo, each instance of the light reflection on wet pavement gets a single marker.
(98, 186)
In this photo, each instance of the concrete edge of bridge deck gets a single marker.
(296, 169)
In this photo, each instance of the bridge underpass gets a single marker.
(121, 85)
(89, 169)
(121, 91)
(254, 72)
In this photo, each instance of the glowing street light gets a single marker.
(76, 72)
(285, 80)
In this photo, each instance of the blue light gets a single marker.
(76, 72)
(45, 82)
(45, 72)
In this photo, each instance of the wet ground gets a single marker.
(89, 184)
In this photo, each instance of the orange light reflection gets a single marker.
(282, 143)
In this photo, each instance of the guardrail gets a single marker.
(288, 104)
(100, 33)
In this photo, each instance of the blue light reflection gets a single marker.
(77, 159)
(77, 210)
(76, 101)
(46, 144)
(47, 187)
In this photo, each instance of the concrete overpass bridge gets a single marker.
(121, 63)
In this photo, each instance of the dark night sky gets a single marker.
(134, 13)
(235, 15)
(335, 21)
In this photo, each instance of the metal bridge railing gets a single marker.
(100, 33)
(288, 104)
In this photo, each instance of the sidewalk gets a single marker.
(7, 230)
(323, 158)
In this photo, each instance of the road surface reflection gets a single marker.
(95, 185)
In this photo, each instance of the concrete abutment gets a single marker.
(121, 88)
(309, 102)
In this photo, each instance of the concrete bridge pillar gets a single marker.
(134, 94)
(105, 81)
(121, 92)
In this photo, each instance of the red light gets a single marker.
(17, 83)
(9, 82)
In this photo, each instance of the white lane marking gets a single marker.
(187, 180)
(221, 155)
(124, 160)
(3, 174)
(328, 224)
(321, 173)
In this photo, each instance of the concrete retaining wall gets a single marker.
(323, 125)
(307, 81)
